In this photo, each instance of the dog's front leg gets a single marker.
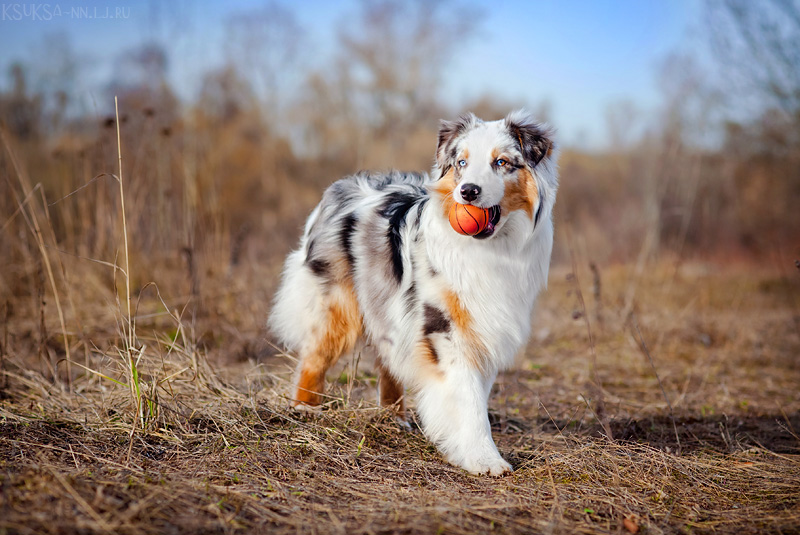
(453, 408)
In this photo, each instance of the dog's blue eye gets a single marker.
(462, 163)
(500, 162)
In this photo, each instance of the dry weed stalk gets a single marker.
(32, 221)
(127, 273)
(129, 353)
(646, 352)
(600, 405)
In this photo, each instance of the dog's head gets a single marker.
(504, 166)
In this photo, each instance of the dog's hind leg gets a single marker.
(390, 391)
(336, 335)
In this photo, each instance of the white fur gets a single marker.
(496, 280)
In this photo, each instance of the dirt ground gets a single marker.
(657, 400)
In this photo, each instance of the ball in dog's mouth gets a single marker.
(494, 218)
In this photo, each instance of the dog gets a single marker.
(379, 263)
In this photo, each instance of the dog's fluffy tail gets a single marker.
(298, 299)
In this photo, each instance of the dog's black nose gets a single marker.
(470, 192)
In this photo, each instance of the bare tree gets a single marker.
(758, 44)
(20, 109)
(225, 96)
(622, 123)
(263, 45)
(142, 67)
(56, 75)
(382, 91)
(397, 52)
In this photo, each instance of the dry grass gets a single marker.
(659, 397)
(221, 451)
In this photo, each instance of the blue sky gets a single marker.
(578, 55)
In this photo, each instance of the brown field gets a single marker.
(141, 393)
(198, 437)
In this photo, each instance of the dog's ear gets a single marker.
(449, 132)
(534, 138)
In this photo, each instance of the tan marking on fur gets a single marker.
(464, 155)
(495, 154)
(520, 194)
(444, 188)
(460, 315)
(310, 387)
(429, 352)
(341, 270)
(391, 391)
(343, 327)
(462, 319)
(427, 360)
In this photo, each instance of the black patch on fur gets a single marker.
(349, 223)
(532, 139)
(420, 206)
(449, 132)
(395, 210)
(319, 267)
(410, 295)
(435, 321)
(538, 210)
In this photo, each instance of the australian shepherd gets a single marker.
(380, 263)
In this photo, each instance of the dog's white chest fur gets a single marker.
(497, 282)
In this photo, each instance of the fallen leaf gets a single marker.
(630, 524)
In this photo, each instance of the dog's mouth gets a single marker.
(494, 218)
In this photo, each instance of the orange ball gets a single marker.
(467, 219)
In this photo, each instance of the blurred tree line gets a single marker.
(233, 173)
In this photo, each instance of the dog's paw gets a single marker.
(493, 466)
(404, 424)
(306, 409)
